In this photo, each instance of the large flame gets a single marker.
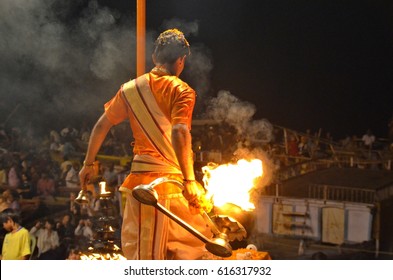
(231, 183)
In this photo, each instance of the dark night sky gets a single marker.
(303, 64)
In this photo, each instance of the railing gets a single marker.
(302, 165)
(339, 193)
(328, 192)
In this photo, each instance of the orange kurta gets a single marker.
(147, 233)
(174, 97)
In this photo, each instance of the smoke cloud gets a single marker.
(239, 114)
(62, 60)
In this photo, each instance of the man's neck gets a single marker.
(16, 227)
(165, 69)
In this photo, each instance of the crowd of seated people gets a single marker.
(34, 168)
(34, 171)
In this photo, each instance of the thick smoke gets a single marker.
(239, 114)
(62, 60)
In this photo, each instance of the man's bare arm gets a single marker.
(97, 137)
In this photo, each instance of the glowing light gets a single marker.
(220, 241)
(231, 183)
(103, 188)
(97, 256)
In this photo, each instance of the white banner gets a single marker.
(271, 269)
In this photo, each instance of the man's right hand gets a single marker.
(195, 195)
(85, 174)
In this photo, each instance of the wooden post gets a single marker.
(140, 37)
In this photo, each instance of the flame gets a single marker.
(232, 183)
(103, 188)
(97, 256)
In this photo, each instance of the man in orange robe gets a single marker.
(159, 107)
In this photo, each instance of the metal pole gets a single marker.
(140, 36)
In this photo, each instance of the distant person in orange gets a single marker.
(292, 146)
(159, 107)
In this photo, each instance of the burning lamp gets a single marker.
(104, 246)
(82, 197)
(224, 228)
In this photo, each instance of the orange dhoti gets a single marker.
(148, 234)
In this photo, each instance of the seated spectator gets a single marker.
(34, 177)
(47, 240)
(69, 131)
(26, 189)
(74, 208)
(69, 149)
(65, 230)
(368, 139)
(84, 233)
(85, 136)
(12, 198)
(54, 136)
(72, 176)
(16, 245)
(4, 204)
(14, 177)
(46, 186)
(55, 146)
(3, 174)
(63, 175)
(64, 164)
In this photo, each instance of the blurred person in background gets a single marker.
(72, 176)
(47, 240)
(14, 176)
(65, 229)
(84, 233)
(12, 198)
(16, 244)
(46, 186)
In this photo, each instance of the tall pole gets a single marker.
(140, 36)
